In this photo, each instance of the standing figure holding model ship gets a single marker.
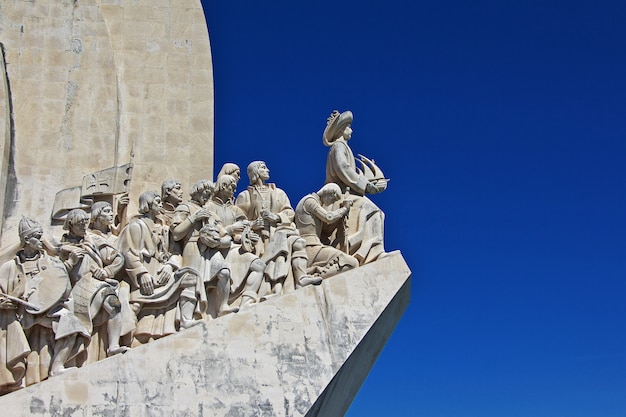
(362, 236)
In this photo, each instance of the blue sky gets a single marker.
(502, 127)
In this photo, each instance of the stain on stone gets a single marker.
(37, 406)
(58, 409)
(183, 43)
(76, 391)
(10, 191)
(66, 127)
(76, 46)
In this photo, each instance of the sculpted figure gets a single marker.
(102, 222)
(212, 244)
(171, 197)
(161, 294)
(311, 217)
(200, 246)
(92, 264)
(281, 247)
(233, 170)
(363, 234)
(230, 169)
(246, 267)
(34, 287)
(103, 233)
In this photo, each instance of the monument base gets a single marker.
(305, 353)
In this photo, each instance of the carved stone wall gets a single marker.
(305, 353)
(83, 82)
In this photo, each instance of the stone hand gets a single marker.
(112, 282)
(258, 224)
(76, 256)
(375, 187)
(6, 304)
(237, 227)
(370, 188)
(123, 200)
(202, 214)
(101, 274)
(146, 282)
(164, 275)
(269, 216)
(254, 237)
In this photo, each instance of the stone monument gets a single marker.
(119, 297)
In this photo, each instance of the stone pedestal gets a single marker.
(305, 353)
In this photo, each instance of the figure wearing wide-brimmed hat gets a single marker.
(363, 235)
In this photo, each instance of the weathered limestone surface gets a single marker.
(85, 81)
(273, 359)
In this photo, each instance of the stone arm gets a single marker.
(182, 224)
(131, 244)
(341, 165)
(328, 217)
(244, 203)
(8, 285)
(112, 260)
(236, 228)
(121, 219)
(71, 255)
(285, 211)
(225, 242)
(7, 278)
(226, 239)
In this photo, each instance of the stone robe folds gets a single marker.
(236, 257)
(88, 295)
(26, 348)
(365, 228)
(276, 240)
(187, 233)
(144, 244)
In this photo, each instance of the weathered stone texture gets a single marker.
(91, 79)
(273, 359)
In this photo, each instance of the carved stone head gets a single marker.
(336, 127)
(76, 222)
(329, 193)
(171, 192)
(102, 212)
(230, 169)
(148, 200)
(201, 191)
(30, 233)
(258, 170)
(225, 187)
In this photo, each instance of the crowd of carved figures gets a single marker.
(113, 282)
